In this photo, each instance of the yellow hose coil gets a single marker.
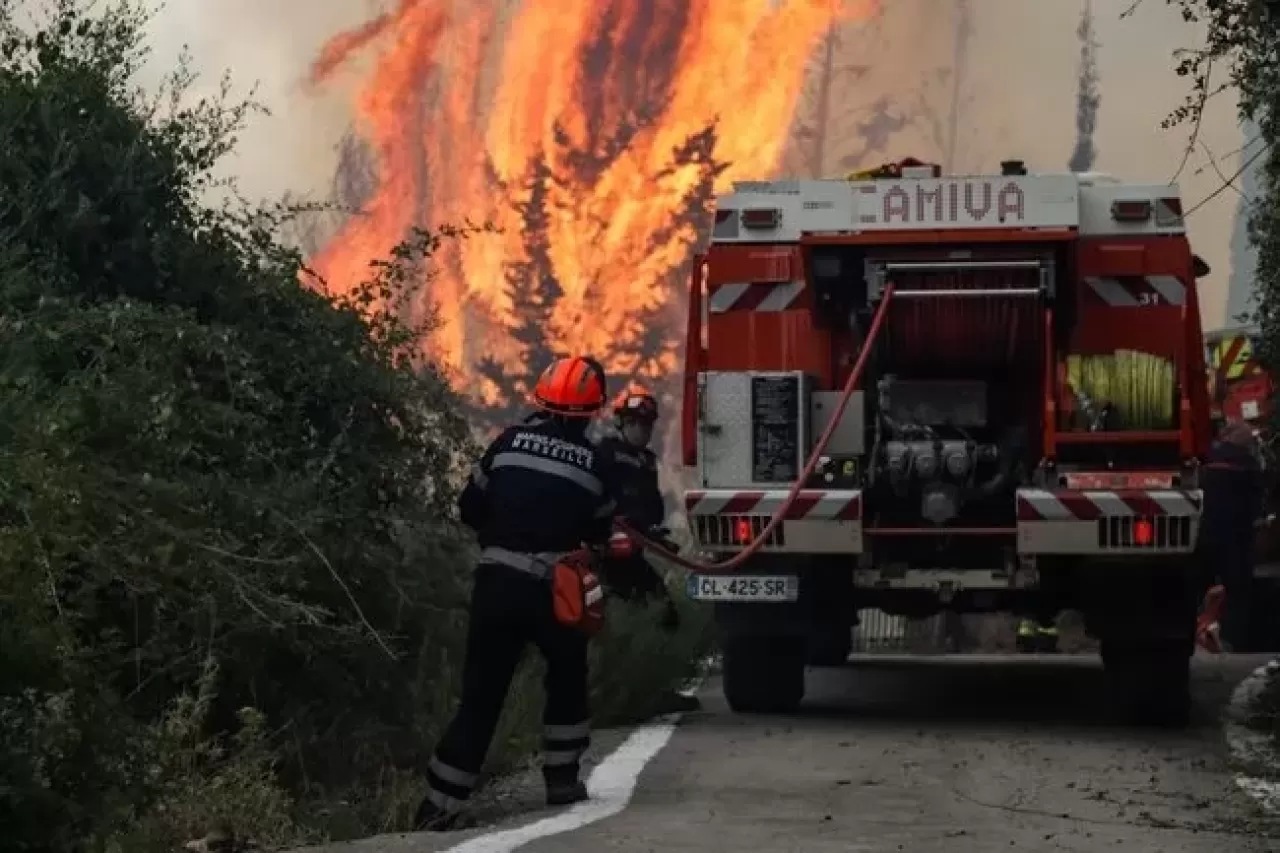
(1139, 386)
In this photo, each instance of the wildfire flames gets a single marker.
(459, 99)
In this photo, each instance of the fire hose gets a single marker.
(1139, 385)
(850, 385)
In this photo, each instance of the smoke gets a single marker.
(964, 31)
(1088, 98)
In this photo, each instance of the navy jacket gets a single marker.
(1234, 491)
(539, 488)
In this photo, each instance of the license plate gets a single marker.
(754, 588)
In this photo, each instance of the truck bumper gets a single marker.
(818, 522)
(1129, 523)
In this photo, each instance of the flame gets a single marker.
(462, 95)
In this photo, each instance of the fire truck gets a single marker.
(929, 394)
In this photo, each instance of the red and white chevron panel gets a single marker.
(1138, 290)
(1061, 505)
(754, 296)
(809, 505)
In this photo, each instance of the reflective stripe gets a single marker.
(561, 757)
(607, 509)
(573, 732)
(445, 802)
(452, 775)
(538, 565)
(479, 477)
(514, 459)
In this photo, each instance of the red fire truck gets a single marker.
(930, 394)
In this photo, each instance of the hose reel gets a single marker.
(1138, 388)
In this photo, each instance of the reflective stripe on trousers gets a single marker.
(539, 565)
(564, 745)
(450, 786)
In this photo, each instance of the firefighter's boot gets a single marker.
(432, 818)
(564, 788)
(566, 794)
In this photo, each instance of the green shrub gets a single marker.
(232, 592)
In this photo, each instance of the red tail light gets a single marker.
(1143, 532)
(742, 530)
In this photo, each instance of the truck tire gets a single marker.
(1150, 682)
(764, 674)
(830, 645)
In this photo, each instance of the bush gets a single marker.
(231, 588)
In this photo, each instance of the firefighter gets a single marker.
(1233, 486)
(539, 491)
(640, 504)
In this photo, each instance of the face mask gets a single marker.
(637, 434)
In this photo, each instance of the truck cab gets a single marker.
(926, 394)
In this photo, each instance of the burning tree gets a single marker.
(643, 347)
(534, 291)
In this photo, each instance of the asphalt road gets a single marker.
(956, 755)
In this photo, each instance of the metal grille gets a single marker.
(721, 530)
(880, 632)
(1169, 531)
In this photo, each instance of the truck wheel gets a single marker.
(764, 674)
(830, 645)
(1150, 683)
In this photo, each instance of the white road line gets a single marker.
(1248, 747)
(611, 785)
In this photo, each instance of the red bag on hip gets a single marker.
(576, 594)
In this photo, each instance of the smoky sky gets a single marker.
(1021, 100)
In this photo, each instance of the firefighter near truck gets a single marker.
(1241, 389)
(930, 394)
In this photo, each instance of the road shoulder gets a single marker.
(1253, 752)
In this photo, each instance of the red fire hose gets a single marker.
(846, 395)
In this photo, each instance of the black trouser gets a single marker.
(509, 610)
(1228, 559)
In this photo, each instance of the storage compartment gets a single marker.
(755, 428)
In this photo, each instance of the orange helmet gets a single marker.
(571, 386)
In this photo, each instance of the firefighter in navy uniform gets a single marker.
(539, 491)
(635, 477)
(1234, 491)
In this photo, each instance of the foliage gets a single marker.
(231, 588)
(1242, 53)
